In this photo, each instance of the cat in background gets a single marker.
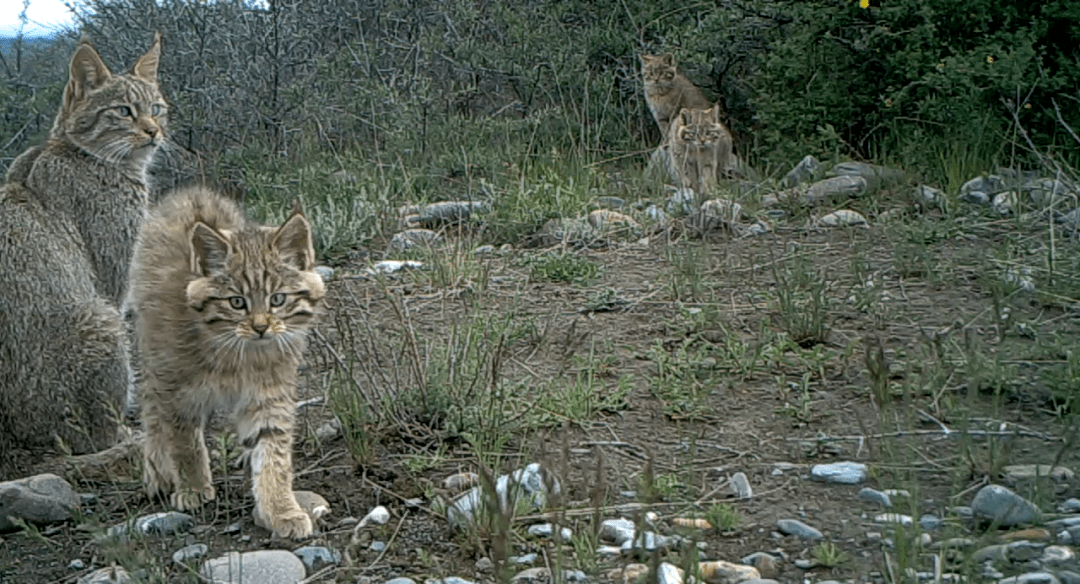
(223, 308)
(701, 148)
(70, 210)
(667, 92)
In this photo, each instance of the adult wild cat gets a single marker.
(701, 148)
(667, 91)
(69, 213)
(223, 307)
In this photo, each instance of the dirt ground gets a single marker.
(698, 302)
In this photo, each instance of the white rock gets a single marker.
(377, 516)
(392, 266)
(844, 218)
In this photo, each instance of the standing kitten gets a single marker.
(223, 307)
(667, 91)
(69, 213)
(700, 148)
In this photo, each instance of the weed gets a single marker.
(723, 517)
(563, 266)
(801, 301)
(829, 555)
(684, 380)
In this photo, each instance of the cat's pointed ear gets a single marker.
(684, 116)
(88, 72)
(668, 59)
(147, 65)
(294, 243)
(209, 249)
(714, 114)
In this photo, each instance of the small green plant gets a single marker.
(684, 379)
(723, 517)
(801, 302)
(829, 555)
(563, 266)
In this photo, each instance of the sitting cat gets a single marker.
(667, 91)
(223, 307)
(700, 148)
(69, 213)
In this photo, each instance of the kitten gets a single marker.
(223, 307)
(700, 148)
(69, 213)
(667, 91)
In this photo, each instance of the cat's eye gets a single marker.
(277, 299)
(157, 109)
(123, 110)
(237, 302)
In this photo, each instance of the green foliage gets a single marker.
(563, 266)
(907, 72)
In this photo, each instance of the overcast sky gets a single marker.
(45, 16)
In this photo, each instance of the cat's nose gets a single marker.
(260, 326)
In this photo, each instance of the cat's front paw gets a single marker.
(188, 499)
(294, 523)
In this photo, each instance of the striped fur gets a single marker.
(223, 307)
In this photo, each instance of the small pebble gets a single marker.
(76, 564)
(875, 496)
(189, 553)
(799, 529)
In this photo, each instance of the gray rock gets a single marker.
(324, 272)
(400, 581)
(928, 196)
(277, 566)
(989, 553)
(377, 516)
(565, 231)
(876, 176)
(76, 564)
(1057, 555)
(485, 250)
(609, 202)
(805, 563)
(844, 218)
(411, 238)
(548, 530)
(1020, 472)
(110, 575)
(40, 499)
(377, 546)
(617, 531)
(165, 523)
(798, 529)
(806, 170)
(767, 565)
(531, 485)
(875, 496)
(760, 581)
(543, 576)
(930, 522)
(1023, 550)
(962, 511)
(668, 574)
(437, 214)
(189, 553)
(448, 580)
(525, 559)
(485, 564)
(655, 213)
(850, 473)
(895, 518)
(740, 486)
(1031, 578)
(1068, 577)
(1071, 505)
(1004, 507)
(979, 190)
(317, 557)
(1005, 203)
(681, 202)
(978, 198)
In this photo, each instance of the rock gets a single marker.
(629, 574)
(617, 531)
(740, 486)
(448, 580)
(798, 529)
(928, 196)
(875, 496)
(392, 267)
(278, 566)
(110, 575)
(1071, 505)
(1020, 472)
(485, 564)
(805, 563)
(548, 530)
(805, 171)
(531, 484)
(890, 215)
(189, 553)
(343, 176)
(313, 503)
(989, 553)
(461, 481)
(980, 189)
(377, 546)
(543, 576)
(233, 528)
(324, 272)
(669, 574)
(681, 202)
(328, 430)
(838, 187)
(445, 212)
(1023, 550)
(895, 518)
(377, 516)
(525, 559)
(1057, 555)
(565, 232)
(1032, 578)
(1003, 507)
(767, 565)
(1032, 533)
(605, 220)
(1005, 203)
(166, 523)
(692, 523)
(930, 522)
(317, 557)
(76, 564)
(610, 202)
(960, 543)
(40, 500)
(411, 238)
(485, 250)
(844, 218)
(400, 581)
(849, 473)
(875, 176)
(656, 214)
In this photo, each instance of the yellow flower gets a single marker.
(1027, 106)
(990, 59)
(888, 102)
(864, 3)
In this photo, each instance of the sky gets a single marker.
(45, 16)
